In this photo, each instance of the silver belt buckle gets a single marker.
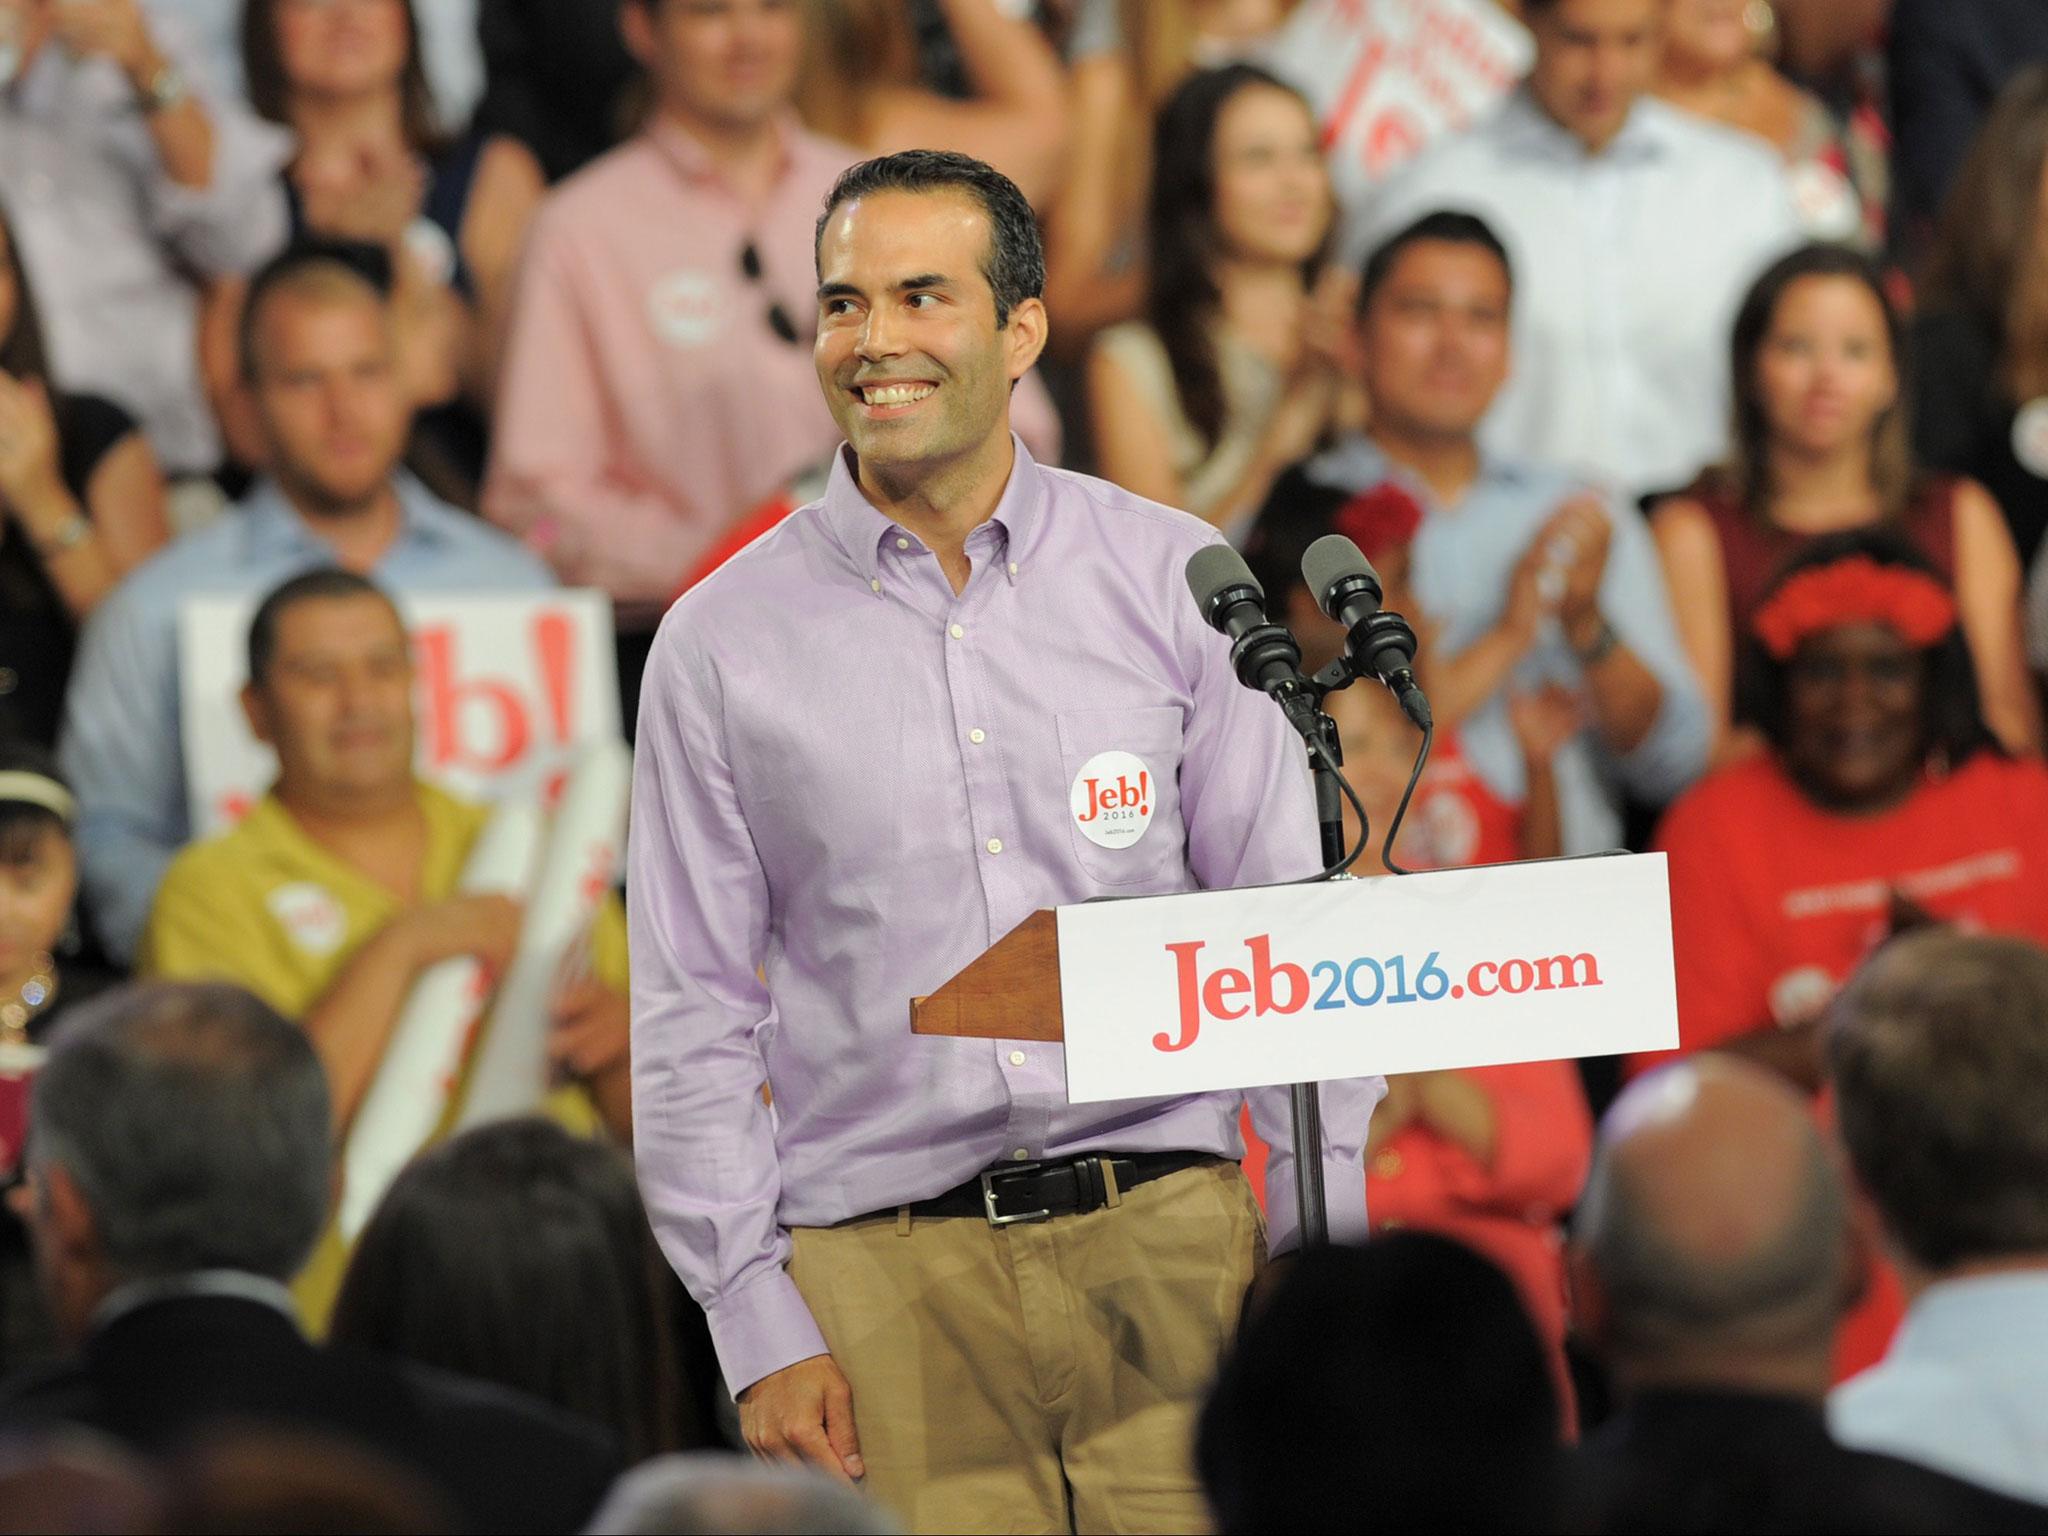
(988, 1197)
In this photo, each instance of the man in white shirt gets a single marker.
(1634, 230)
(1938, 1052)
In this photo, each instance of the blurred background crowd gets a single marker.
(1681, 365)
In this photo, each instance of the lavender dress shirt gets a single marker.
(856, 781)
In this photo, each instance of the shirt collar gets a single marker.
(275, 528)
(685, 153)
(1358, 463)
(860, 530)
(1990, 1309)
(1524, 125)
(236, 1284)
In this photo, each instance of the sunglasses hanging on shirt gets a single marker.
(778, 317)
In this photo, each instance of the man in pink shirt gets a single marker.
(658, 381)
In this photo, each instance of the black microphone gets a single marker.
(1347, 589)
(1263, 654)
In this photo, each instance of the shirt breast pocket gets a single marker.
(1123, 782)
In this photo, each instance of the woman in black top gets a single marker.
(81, 503)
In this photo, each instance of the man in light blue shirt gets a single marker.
(1938, 1052)
(318, 362)
(1635, 229)
(1523, 571)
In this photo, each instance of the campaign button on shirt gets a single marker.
(2030, 437)
(1112, 799)
(686, 309)
(310, 915)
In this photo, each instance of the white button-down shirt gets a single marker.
(1628, 265)
(1964, 1387)
(115, 250)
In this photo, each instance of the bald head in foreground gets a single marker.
(1712, 1261)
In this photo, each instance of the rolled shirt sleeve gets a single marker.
(238, 220)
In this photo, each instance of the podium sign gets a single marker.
(1309, 983)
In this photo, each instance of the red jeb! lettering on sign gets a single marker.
(1121, 796)
(1217, 993)
(484, 724)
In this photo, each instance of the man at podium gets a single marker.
(959, 688)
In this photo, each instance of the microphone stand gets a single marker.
(1255, 651)
(1311, 1203)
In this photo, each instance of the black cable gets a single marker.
(1401, 811)
(1315, 748)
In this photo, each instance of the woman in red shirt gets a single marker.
(1882, 803)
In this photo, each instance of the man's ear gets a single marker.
(64, 1219)
(1590, 1313)
(257, 712)
(1027, 331)
(636, 30)
(1867, 1244)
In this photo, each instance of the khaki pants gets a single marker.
(1043, 1376)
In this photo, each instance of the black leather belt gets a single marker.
(1013, 1192)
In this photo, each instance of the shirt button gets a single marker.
(1013, 567)
(956, 631)
(1021, 1155)
(995, 845)
(903, 543)
(1016, 1058)
(977, 735)
(876, 585)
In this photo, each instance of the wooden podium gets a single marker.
(1011, 991)
(1220, 991)
(1156, 996)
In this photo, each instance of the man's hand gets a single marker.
(593, 1028)
(109, 29)
(803, 1413)
(486, 928)
(1544, 719)
(1583, 522)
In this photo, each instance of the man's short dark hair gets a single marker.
(1448, 226)
(194, 1121)
(322, 582)
(1938, 1050)
(1015, 264)
(313, 268)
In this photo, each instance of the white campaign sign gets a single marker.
(508, 687)
(1310, 983)
(1385, 77)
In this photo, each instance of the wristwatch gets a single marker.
(1596, 650)
(165, 89)
(73, 531)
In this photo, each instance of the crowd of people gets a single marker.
(1686, 382)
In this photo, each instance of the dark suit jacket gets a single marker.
(1715, 1462)
(158, 1375)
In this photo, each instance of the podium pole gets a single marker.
(1311, 1203)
